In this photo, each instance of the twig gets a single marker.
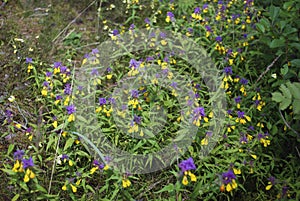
(148, 189)
(268, 68)
(98, 17)
(298, 152)
(54, 162)
(26, 122)
(286, 123)
(73, 21)
(87, 45)
(58, 141)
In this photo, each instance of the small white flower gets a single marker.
(58, 161)
(274, 75)
(11, 99)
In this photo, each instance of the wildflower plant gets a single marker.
(169, 103)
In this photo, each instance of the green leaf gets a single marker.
(277, 43)
(295, 45)
(286, 92)
(277, 97)
(284, 70)
(90, 188)
(24, 186)
(282, 24)
(294, 89)
(10, 148)
(16, 197)
(169, 188)
(69, 143)
(274, 129)
(295, 62)
(274, 12)
(296, 107)
(10, 172)
(260, 27)
(265, 22)
(284, 104)
(41, 188)
(288, 4)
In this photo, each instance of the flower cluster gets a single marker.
(228, 180)
(186, 166)
(23, 165)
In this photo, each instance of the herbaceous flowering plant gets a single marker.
(142, 117)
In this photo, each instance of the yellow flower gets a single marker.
(106, 167)
(84, 61)
(18, 126)
(196, 16)
(260, 125)
(163, 42)
(230, 128)
(44, 92)
(71, 118)
(93, 170)
(30, 137)
(126, 183)
(205, 119)
(16, 167)
(133, 128)
(26, 178)
(196, 122)
(31, 175)
(268, 187)
(78, 182)
(74, 188)
(109, 76)
(254, 156)
(64, 134)
(236, 171)
(249, 137)
(133, 102)
(141, 133)
(56, 70)
(64, 187)
(204, 141)
(185, 180)
(122, 114)
(265, 142)
(192, 176)
(54, 124)
(66, 102)
(231, 186)
(70, 163)
(168, 19)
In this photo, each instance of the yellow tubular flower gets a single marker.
(204, 141)
(269, 186)
(106, 167)
(185, 180)
(236, 171)
(94, 169)
(74, 188)
(126, 183)
(26, 178)
(32, 175)
(193, 177)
